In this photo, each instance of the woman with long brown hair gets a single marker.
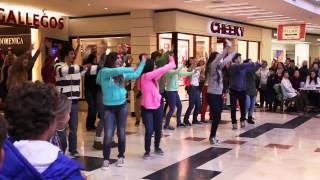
(18, 72)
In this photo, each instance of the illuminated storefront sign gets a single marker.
(28, 19)
(292, 32)
(226, 29)
(8, 41)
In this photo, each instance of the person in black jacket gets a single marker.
(304, 71)
(270, 93)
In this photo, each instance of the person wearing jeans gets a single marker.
(172, 96)
(111, 78)
(151, 102)
(214, 77)
(238, 88)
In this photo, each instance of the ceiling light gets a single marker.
(105, 8)
(89, 4)
(271, 18)
(250, 14)
(187, 1)
(228, 5)
(234, 8)
(257, 17)
(246, 11)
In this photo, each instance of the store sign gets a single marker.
(28, 19)
(292, 32)
(226, 29)
(8, 41)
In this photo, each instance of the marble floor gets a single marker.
(278, 146)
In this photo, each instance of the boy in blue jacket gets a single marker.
(30, 112)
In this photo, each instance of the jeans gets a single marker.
(216, 104)
(241, 97)
(73, 127)
(194, 102)
(115, 116)
(91, 97)
(152, 119)
(101, 114)
(250, 105)
(204, 105)
(173, 99)
(63, 140)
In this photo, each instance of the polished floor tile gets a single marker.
(243, 155)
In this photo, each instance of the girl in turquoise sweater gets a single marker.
(111, 78)
(172, 96)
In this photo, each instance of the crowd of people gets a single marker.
(42, 117)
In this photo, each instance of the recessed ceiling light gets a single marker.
(228, 5)
(105, 8)
(89, 4)
(257, 17)
(250, 14)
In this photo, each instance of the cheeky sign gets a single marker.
(226, 29)
(8, 17)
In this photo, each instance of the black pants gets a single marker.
(91, 97)
(263, 99)
(271, 98)
(241, 97)
(152, 119)
(216, 103)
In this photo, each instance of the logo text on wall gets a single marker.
(226, 29)
(11, 41)
(27, 19)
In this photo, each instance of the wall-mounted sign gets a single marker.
(292, 32)
(28, 19)
(11, 41)
(226, 29)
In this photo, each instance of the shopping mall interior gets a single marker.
(153, 89)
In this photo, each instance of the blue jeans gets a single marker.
(250, 105)
(173, 99)
(152, 119)
(91, 98)
(73, 127)
(115, 116)
(194, 102)
(101, 114)
(216, 104)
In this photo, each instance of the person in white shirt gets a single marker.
(289, 93)
(312, 82)
(263, 74)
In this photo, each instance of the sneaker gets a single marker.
(187, 123)
(97, 145)
(243, 124)
(234, 127)
(120, 162)
(181, 125)
(169, 127)
(214, 141)
(250, 120)
(158, 151)
(137, 123)
(75, 154)
(196, 122)
(105, 165)
(146, 156)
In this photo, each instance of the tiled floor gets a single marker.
(294, 153)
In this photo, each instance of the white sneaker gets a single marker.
(120, 162)
(243, 124)
(214, 141)
(105, 165)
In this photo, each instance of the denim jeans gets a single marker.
(91, 98)
(250, 105)
(194, 102)
(216, 104)
(241, 97)
(115, 117)
(73, 127)
(173, 99)
(100, 107)
(152, 119)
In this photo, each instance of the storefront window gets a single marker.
(165, 41)
(202, 46)
(242, 49)
(253, 50)
(185, 46)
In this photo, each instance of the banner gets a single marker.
(292, 32)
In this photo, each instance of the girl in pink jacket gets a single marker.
(150, 103)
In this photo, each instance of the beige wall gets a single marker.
(62, 34)
(100, 26)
